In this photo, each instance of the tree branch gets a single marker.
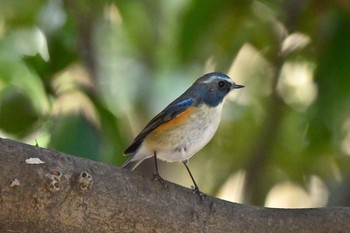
(71, 194)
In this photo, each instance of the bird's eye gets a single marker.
(221, 84)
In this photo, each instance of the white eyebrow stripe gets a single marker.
(217, 77)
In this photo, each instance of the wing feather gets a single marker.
(170, 112)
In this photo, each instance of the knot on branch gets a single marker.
(54, 180)
(85, 181)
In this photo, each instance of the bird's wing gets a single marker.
(170, 112)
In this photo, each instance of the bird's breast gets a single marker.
(187, 133)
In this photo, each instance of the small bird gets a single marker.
(184, 127)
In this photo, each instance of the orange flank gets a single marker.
(159, 138)
(175, 121)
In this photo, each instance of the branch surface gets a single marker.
(72, 194)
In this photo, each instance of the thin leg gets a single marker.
(156, 163)
(195, 189)
(156, 175)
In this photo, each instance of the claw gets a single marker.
(156, 176)
(199, 193)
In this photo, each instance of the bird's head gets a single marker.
(211, 88)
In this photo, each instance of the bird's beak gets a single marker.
(236, 86)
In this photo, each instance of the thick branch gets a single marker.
(70, 194)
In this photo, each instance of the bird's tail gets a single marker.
(131, 164)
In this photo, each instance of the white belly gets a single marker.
(187, 139)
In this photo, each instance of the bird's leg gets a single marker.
(195, 188)
(156, 175)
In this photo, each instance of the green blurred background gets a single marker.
(84, 77)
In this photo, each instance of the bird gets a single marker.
(184, 127)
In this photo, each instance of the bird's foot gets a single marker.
(156, 176)
(199, 193)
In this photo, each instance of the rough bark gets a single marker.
(71, 194)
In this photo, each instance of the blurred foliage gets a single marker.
(85, 77)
